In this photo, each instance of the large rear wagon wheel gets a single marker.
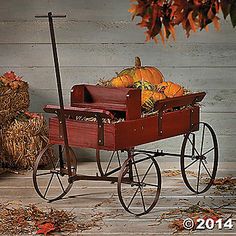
(199, 158)
(50, 175)
(139, 183)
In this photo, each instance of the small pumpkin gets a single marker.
(147, 101)
(158, 96)
(143, 85)
(171, 89)
(143, 73)
(121, 81)
(149, 98)
(174, 90)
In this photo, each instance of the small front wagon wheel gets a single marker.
(50, 175)
(199, 158)
(139, 183)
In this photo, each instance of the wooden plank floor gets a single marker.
(88, 198)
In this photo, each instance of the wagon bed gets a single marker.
(134, 130)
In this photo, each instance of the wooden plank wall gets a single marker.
(98, 38)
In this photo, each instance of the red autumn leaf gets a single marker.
(154, 14)
(45, 228)
(10, 75)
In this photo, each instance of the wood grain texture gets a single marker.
(190, 55)
(100, 31)
(197, 79)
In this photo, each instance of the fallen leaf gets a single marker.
(45, 228)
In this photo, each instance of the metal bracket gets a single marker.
(100, 130)
(160, 118)
(191, 117)
(60, 129)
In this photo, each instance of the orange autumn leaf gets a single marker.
(45, 228)
(193, 14)
(162, 37)
(191, 21)
(216, 23)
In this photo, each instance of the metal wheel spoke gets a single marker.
(206, 169)
(202, 143)
(136, 170)
(60, 183)
(208, 151)
(186, 167)
(118, 157)
(193, 146)
(198, 175)
(109, 163)
(49, 183)
(133, 197)
(141, 193)
(147, 172)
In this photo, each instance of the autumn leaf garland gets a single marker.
(161, 16)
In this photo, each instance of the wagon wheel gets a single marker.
(199, 153)
(139, 183)
(111, 162)
(50, 175)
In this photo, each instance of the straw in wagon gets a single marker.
(23, 139)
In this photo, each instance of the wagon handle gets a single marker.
(61, 114)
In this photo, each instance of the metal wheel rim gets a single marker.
(214, 169)
(119, 188)
(35, 182)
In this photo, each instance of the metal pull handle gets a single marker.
(50, 15)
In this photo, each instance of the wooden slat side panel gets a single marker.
(180, 101)
(125, 134)
(145, 130)
(176, 123)
(108, 94)
(82, 134)
(133, 101)
(135, 132)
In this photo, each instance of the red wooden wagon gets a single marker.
(91, 122)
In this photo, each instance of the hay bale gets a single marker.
(14, 97)
(23, 139)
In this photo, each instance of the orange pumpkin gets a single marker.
(158, 96)
(161, 87)
(149, 98)
(122, 81)
(147, 101)
(171, 89)
(143, 73)
(146, 96)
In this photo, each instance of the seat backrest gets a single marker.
(123, 99)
